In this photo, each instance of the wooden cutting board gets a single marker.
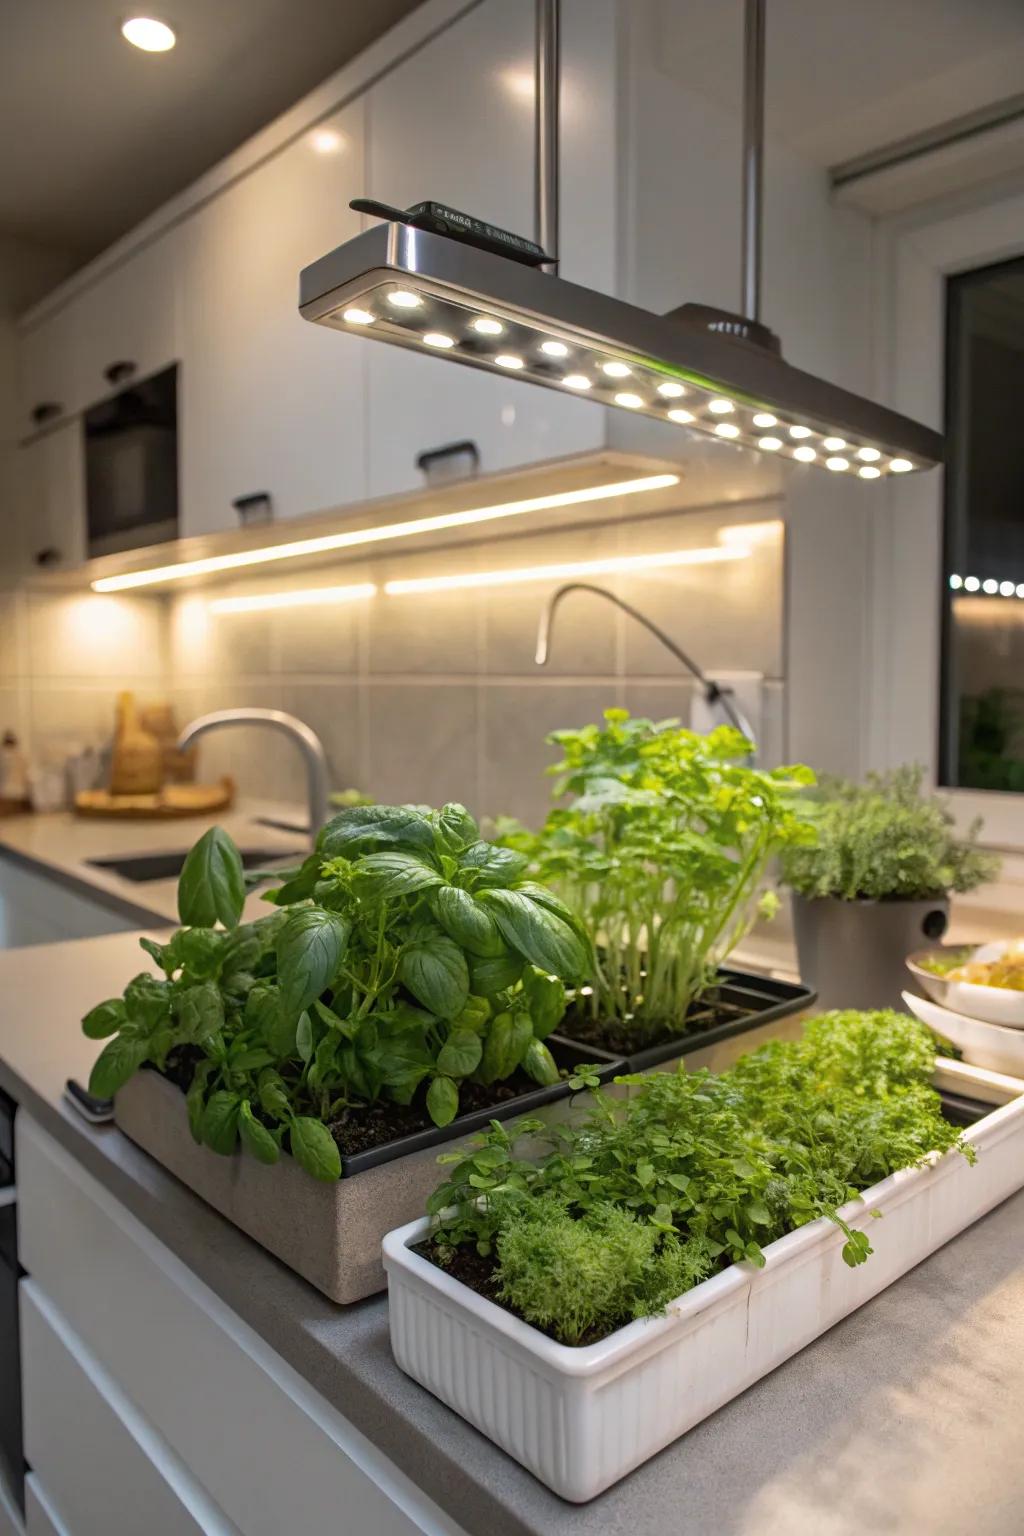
(173, 800)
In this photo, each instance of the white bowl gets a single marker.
(982, 1045)
(993, 1005)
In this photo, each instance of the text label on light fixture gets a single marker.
(355, 537)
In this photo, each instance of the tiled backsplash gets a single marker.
(424, 697)
(437, 695)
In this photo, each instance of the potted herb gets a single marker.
(874, 882)
(680, 1243)
(405, 984)
(661, 853)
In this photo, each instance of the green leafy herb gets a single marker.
(211, 888)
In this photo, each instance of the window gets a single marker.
(982, 716)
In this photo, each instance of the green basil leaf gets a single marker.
(195, 1099)
(211, 888)
(489, 977)
(251, 1060)
(200, 1012)
(218, 1126)
(460, 1054)
(119, 1060)
(103, 1020)
(539, 1064)
(491, 865)
(264, 1015)
(309, 950)
(465, 920)
(547, 1001)
(315, 1149)
(434, 970)
(147, 1001)
(538, 934)
(273, 1094)
(519, 1041)
(369, 828)
(475, 1014)
(496, 1061)
(200, 951)
(299, 883)
(167, 956)
(386, 876)
(304, 1036)
(442, 1101)
(455, 828)
(255, 1136)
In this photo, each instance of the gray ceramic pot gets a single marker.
(853, 953)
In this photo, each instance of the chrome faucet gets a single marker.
(308, 742)
(714, 695)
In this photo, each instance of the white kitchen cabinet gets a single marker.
(46, 371)
(50, 500)
(454, 122)
(41, 1519)
(132, 315)
(267, 401)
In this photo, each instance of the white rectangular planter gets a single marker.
(580, 1419)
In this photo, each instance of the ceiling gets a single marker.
(103, 133)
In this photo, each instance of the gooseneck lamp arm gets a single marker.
(547, 90)
(753, 154)
(713, 694)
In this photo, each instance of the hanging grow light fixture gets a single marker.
(436, 280)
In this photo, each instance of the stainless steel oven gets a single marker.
(131, 466)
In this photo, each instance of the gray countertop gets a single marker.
(903, 1419)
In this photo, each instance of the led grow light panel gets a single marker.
(434, 296)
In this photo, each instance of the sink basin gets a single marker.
(140, 867)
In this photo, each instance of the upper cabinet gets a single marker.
(455, 122)
(270, 403)
(125, 325)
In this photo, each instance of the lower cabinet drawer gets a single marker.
(271, 1453)
(104, 1467)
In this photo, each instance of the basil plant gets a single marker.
(405, 958)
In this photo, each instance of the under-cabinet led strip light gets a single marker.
(614, 565)
(310, 597)
(988, 588)
(354, 537)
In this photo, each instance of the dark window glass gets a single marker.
(982, 745)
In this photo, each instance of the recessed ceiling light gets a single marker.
(488, 327)
(900, 466)
(401, 298)
(576, 381)
(630, 401)
(555, 348)
(508, 360)
(770, 444)
(799, 431)
(765, 419)
(671, 390)
(805, 455)
(869, 472)
(869, 455)
(720, 407)
(359, 316)
(147, 33)
(616, 370)
(726, 429)
(837, 464)
(834, 444)
(438, 339)
(681, 416)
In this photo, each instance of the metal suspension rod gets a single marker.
(753, 153)
(546, 109)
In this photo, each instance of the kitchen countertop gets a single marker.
(60, 845)
(902, 1419)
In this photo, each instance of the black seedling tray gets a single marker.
(738, 1001)
(569, 1054)
(960, 1110)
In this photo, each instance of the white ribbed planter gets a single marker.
(580, 1419)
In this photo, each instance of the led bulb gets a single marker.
(671, 390)
(765, 419)
(1020, 589)
(359, 316)
(805, 455)
(1006, 589)
(900, 466)
(956, 582)
(576, 381)
(990, 586)
(869, 455)
(799, 431)
(631, 402)
(770, 444)
(837, 464)
(555, 348)
(147, 33)
(681, 416)
(438, 339)
(726, 429)
(869, 472)
(616, 370)
(834, 444)
(508, 360)
(487, 327)
(720, 407)
(971, 584)
(402, 298)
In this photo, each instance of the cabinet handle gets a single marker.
(46, 411)
(255, 508)
(116, 373)
(450, 461)
(47, 557)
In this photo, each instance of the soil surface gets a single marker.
(708, 1012)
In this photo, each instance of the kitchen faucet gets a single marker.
(308, 742)
(713, 694)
